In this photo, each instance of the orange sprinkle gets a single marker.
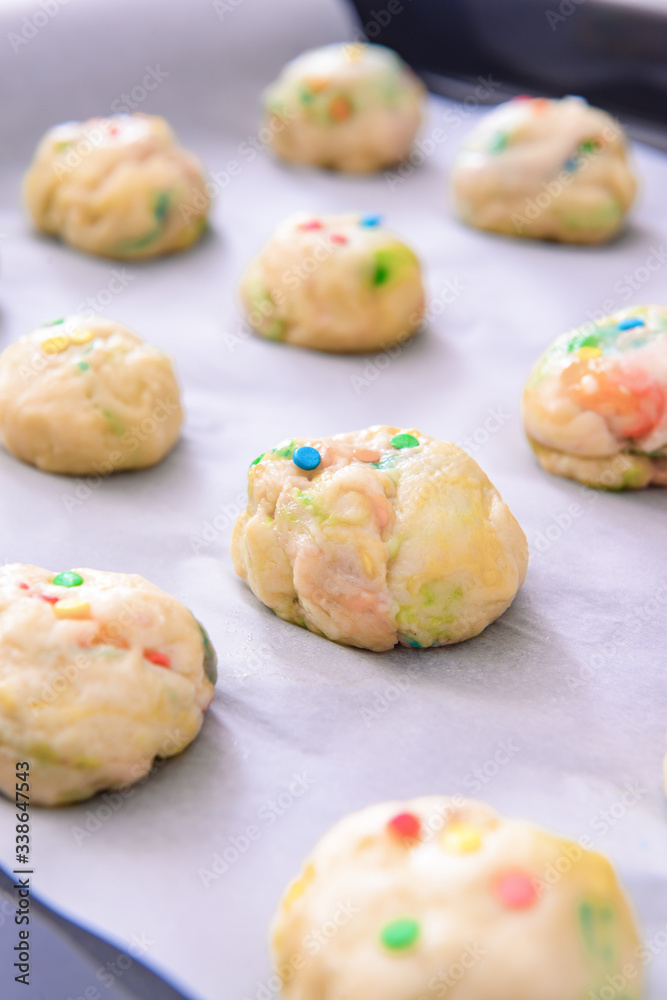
(159, 659)
(340, 109)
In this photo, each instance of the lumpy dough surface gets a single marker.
(352, 107)
(393, 537)
(439, 897)
(119, 187)
(547, 169)
(99, 674)
(340, 283)
(85, 395)
(595, 404)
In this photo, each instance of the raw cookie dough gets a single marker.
(377, 537)
(352, 107)
(441, 896)
(85, 396)
(594, 405)
(334, 283)
(120, 187)
(546, 169)
(99, 674)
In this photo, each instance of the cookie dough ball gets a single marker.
(355, 108)
(334, 283)
(594, 405)
(120, 187)
(441, 896)
(100, 673)
(85, 396)
(377, 537)
(546, 169)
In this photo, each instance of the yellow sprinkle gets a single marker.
(298, 887)
(72, 608)
(81, 336)
(586, 353)
(354, 52)
(461, 838)
(55, 345)
(367, 564)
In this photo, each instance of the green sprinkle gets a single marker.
(285, 452)
(589, 146)
(382, 271)
(54, 322)
(83, 365)
(400, 934)
(161, 205)
(404, 441)
(210, 655)
(498, 142)
(257, 460)
(116, 425)
(67, 579)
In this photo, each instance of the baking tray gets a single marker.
(301, 731)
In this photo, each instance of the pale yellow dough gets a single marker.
(334, 283)
(120, 187)
(574, 939)
(84, 395)
(352, 107)
(546, 169)
(81, 699)
(419, 549)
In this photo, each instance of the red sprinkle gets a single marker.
(51, 600)
(24, 586)
(516, 890)
(522, 97)
(406, 826)
(159, 659)
(338, 238)
(313, 224)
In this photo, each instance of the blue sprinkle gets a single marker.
(306, 458)
(629, 324)
(572, 165)
(370, 220)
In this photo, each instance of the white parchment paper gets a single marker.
(570, 681)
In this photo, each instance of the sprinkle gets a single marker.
(55, 345)
(516, 890)
(83, 365)
(24, 586)
(49, 599)
(161, 206)
(588, 353)
(317, 83)
(540, 104)
(629, 324)
(461, 838)
(72, 607)
(338, 238)
(370, 220)
(589, 146)
(404, 441)
(523, 97)
(367, 455)
(210, 656)
(67, 579)
(159, 659)
(571, 164)
(54, 322)
(399, 934)
(405, 826)
(498, 142)
(299, 886)
(313, 224)
(81, 336)
(257, 460)
(340, 109)
(306, 458)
